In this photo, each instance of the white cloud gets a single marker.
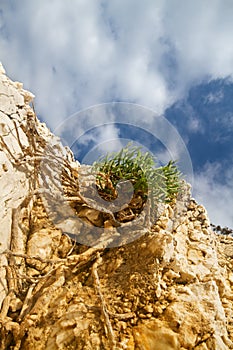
(194, 124)
(86, 52)
(216, 196)
(202, 36)
(214, 97)
(107, 138)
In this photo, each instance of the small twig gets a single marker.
(3, 285)
(109, 330)
(124, 316)
(6, 305)
(78, 197)
(18, 137)
(72, 259)
(27, 301)
(73, 245)
(8, 149)
(36, 257)
(11, 279)
(14, 244)
(16, 240)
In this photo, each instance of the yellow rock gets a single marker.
(155, 335)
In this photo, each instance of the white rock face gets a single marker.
(17, 154)
(14, 184)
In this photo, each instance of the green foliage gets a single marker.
(159, 184)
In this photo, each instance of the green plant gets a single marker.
(160, 184)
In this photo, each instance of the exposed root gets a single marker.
(108, 327)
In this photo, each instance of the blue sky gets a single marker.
(174, 57)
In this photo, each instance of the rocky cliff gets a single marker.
(72, 279)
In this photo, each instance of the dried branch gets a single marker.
(27, 302)
(108, 329)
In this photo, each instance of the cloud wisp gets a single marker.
(74, 56)
(216, 195)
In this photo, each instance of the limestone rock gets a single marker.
(154, 335)
(22, 139)
(165, 286)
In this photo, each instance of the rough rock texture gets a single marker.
(170, 287)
